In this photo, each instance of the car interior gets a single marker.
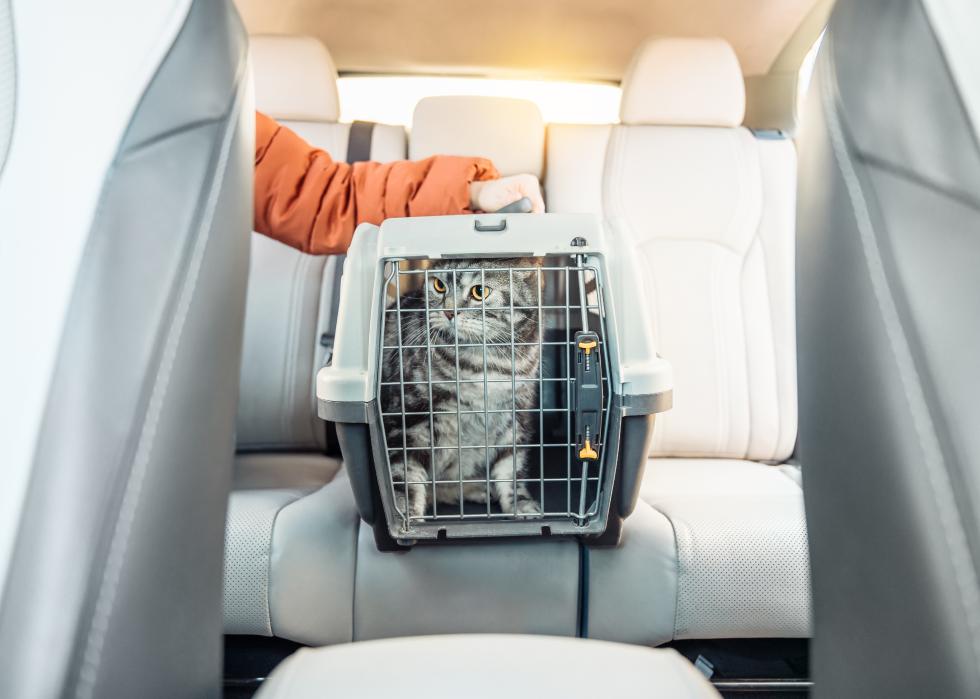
(184, 514)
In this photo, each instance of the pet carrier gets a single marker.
(493, 375)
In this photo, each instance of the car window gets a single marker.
(391, 99)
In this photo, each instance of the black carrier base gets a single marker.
(356, 449)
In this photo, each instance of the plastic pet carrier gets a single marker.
(493, 376)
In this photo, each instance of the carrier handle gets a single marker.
(521, 206)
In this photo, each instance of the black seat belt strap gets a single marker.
(359, 141)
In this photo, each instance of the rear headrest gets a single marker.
(295, 78)
(684, 82)
(510, 132)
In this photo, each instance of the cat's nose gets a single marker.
(450, 314)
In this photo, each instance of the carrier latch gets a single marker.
(588, 395)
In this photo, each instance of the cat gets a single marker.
(457, 314)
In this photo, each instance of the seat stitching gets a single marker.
(940, 488)
(289, 349)
(119, 544)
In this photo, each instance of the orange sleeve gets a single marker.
(307, 200)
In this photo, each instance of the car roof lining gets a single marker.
(552, 39)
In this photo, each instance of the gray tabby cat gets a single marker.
(457, 313)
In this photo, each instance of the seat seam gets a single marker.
(119, 544)
(286, 396)
(677, 562)
(299, 495)
(940, 488)
(772, 316)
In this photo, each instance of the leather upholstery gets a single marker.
(510, 132)
(715, 549)
(717, 545)
(295, 78)
(683, 82)
(290, 298)
(448, 666)
(8, 79)
(576, 158)
(721, 280)
(115, 584)
(889, 326)
(300, 565)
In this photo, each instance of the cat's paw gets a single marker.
(528, 507)
(415, 507)
(475, 493)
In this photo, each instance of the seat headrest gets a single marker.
(510, 132)
(295, 78)
(684, 82)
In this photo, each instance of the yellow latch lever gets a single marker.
(588, 346)
(587, 453)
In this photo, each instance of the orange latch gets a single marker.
(587, 452)
(587, 345)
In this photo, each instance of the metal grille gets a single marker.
(481, 409)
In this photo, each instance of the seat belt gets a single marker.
(359, 141)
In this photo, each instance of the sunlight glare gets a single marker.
(392, 99)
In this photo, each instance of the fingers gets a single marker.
(530, 187)
(491, 195)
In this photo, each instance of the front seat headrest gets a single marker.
(684, 82)
(295, 79)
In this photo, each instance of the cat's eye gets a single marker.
(480, 292)
(438, 285)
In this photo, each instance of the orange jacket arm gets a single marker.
(306, 199)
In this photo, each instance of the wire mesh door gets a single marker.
(494, 391)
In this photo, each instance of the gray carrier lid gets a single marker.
(642, 381)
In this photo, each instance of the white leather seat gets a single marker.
(520, 667)
(290, 504)
(717, 546)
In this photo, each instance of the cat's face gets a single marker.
(472, 300)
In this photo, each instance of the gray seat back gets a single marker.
(113, 588)
(889, 326)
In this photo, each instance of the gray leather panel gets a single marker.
(8, 79)
(314, 553)
(295, 559)
(633, 588)
(115, 584)
(715, 549)
(484, 667)
(909, 118)
(888, 327)
(490, 587)
(248, 552)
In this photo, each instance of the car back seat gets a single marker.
(290, 508)
(717, 547)
(298, 564)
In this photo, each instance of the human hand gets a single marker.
(490, 195)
